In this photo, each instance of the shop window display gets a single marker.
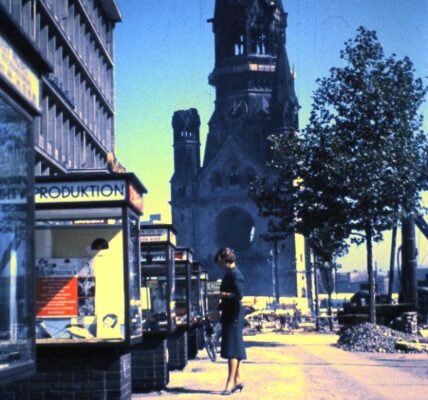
(157, 281)
(16, 257)
(76, 283)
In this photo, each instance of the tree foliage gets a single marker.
(358, 166)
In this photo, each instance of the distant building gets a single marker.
(255, 97)
(353, 281)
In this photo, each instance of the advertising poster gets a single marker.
(65, 306)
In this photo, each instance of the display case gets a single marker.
(213, 300)
(183, 267)
(204, 291)
(87, 258)
(157, 278)
(17, 348)
(196, 293)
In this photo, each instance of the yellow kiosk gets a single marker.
(88, 313)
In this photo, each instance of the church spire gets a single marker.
(247, 27)
(284, 104)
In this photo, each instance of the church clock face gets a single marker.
(235, 112)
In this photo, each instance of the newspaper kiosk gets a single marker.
(150, 358)
(178, 341)
(88, 313)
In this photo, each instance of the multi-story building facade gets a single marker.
(76, 129)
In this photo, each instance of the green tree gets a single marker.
(361, 158)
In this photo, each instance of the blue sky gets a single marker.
(164, 52)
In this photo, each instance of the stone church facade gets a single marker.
(255, 97)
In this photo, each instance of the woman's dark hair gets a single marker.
(225, 254)
(99, 244)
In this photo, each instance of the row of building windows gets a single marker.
(78, 34)
(76, 128)
(67, 142)
(84, 44)
(101, 25)
(232, 177)
(77, 91)
(67, 13)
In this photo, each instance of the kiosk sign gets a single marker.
(153, 235)
(79, 192)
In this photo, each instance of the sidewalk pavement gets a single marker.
(304, 367)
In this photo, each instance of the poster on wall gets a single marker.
(65, 306)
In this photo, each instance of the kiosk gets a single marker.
(88, 313)
(178, 341)
(150, 358)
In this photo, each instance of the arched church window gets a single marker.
(216, 180)
(258, 39)
(233, 176)
(239, 46)
(181, 191)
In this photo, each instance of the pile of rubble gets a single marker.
(375, 338)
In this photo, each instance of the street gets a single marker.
(304, 366)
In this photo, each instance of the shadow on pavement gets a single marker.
(180, 390)
(252, 343)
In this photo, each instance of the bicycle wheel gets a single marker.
(211, 348)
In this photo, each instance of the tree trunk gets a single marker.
(391, 264)
(372, 293)
(276, 273)
(409, 283)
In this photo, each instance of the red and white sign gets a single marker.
(56, 297)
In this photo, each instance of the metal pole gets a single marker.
(317, 304)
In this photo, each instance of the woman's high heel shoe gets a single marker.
(226, 392)
(237, 387)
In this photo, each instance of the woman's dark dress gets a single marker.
(232, 316)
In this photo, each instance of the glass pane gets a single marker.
(154, 289)
(16, 258)
(195, 298)
(80, 284)
(181, 304)
(134, 275)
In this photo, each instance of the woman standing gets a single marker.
(232, 318)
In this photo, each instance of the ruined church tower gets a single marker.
(255, 97)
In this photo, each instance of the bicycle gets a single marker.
(209, 342)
